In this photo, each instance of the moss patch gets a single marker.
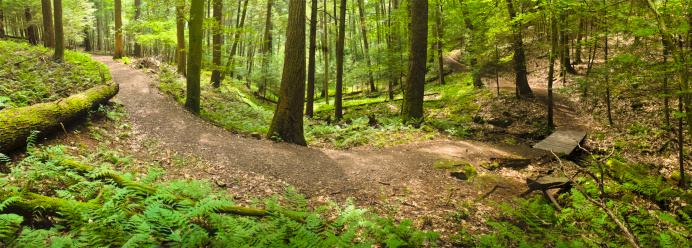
(456, 166)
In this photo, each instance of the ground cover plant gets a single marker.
(29, 76)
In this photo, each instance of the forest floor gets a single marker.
(397, 181)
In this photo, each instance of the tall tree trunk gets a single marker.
(523, 88)
(311, 60)
(2, 21)
(580, 36)
(138, 12)
(48, 33)
(412, 109)
(218, 44)
(194, 62)
(338, 111)
(118, 52)
(99, 27)
(236, 39)
(59, 55)
(551, 68)
(394, 48)
(564, 46)
(471, 47)
(607, 80)
(287, 123)
(666, 98)
(180, 37)
(325, 52)
(32, 30)
(266, 47)
(366, 52)
(438, 30)
(87, 41)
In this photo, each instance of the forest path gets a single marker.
(314, 172)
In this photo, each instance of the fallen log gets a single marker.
(16, 124)
(147, 190)
(545, 183)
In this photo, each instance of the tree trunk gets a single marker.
(138, 12)
(564, 47)
(195, 58)
(366, 52)
(338, 98)
(580, 36)
(236, 39)
(412, 109)
(266, 47)
(180, 36)
(218, 44)
(2, 21)
(325, 52)
(99, 26)
(666, 98)
(59, 54)
(118, 52)
(438, 30)
(287, 123)
(551, 68)
(48, 33)
(32, 30)
(16, 124)
(605, 61)
(87, 41)
(523, 88)
(311, 60)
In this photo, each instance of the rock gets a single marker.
(256, 135)
(500, 122)
(459, 169)
(510, 162)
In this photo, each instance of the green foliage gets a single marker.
(128, 218)
(536, 223)
(28, 75)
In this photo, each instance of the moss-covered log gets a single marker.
(29, 204)
(146, 190)
(16, 124)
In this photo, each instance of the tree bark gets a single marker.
(438, 30)
(338, 98)
(99, 26)
(580, 36)
(217, 38)
(266, 47)
(180, 37)
(412, 109)
(138, 12)
(2, 21)
(523, 88)
(48, 33)
(564, 46)
(59, 54)
(311, 60)
(118, 51)
(366, 48)
(551, 68)
(287, 123)
(16, 124)
(325, 52)
(192, 102)
(32, 30)
(236, 39)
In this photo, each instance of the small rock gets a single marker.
(256, 135)
(220, 183)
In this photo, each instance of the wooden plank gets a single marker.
(561, 141)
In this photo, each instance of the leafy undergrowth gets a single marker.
(95, 210)
(29, 75)
(651, 207)
(370, 120)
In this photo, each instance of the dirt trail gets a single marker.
(313, 171)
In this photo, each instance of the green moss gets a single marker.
(455, 166)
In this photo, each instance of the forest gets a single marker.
(345, 123)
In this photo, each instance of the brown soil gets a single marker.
(396, 180)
